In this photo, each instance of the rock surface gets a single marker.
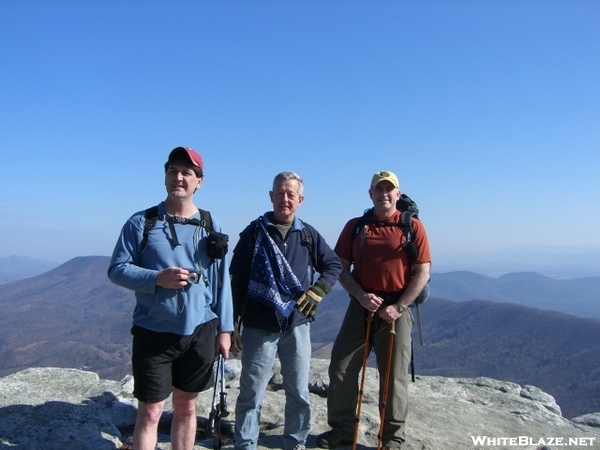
(50, 408)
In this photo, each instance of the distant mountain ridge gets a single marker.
(552, 261)
(73, 316)
(14, 268)
(579, 296)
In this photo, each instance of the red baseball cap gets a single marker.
(192, 155)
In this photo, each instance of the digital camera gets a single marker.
(193, 276)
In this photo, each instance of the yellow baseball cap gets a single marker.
(385, 175)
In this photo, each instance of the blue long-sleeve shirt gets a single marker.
(159, 309)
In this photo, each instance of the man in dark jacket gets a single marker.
(275, 299)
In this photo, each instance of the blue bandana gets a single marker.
(272, 281)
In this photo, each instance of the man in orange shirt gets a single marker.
(383, 280)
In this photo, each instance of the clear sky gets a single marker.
(488, 112)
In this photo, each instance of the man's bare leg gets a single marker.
(145, 433)
(183, 428)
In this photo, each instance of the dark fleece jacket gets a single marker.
(297, 251)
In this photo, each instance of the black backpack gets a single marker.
(216, 246)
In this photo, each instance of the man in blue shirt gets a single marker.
(184, 313)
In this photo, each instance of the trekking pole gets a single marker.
(385, 384)
(222, 405)
(421, 339)
(223, 395)
(212, 416)
(219, 407)
(362, 379)
(412, 361)
(419, 325)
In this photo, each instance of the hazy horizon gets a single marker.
(551, 261)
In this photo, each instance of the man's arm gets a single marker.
(123, 269)
(239, 270)
(327, 264)
(421, 274)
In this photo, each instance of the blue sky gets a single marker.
(488, 112)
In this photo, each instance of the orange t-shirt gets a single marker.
(379, 261)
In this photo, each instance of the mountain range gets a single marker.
(72, 316)
(14, 268)
(559, 262)
(578, 296)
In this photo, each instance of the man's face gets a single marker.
(181, 181)
(384, 196)
(285, 199)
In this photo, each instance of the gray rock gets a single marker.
(50, 408)
(592, 420)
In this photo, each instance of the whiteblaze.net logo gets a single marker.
(527, 441)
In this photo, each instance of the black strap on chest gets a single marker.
(151, 216)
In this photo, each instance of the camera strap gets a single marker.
(171, 220)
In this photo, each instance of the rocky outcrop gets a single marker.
(49, 408)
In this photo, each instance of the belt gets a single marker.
(388, 297)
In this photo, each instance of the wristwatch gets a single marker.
(400, 307)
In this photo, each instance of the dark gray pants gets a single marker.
(346, 363)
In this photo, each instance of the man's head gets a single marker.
(384, 191)
(286, 196)
(187, 157)
(385, 175)
(183, 173)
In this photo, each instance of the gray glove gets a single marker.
(308, 302)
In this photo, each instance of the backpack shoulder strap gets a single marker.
(150, 218)
(406, 223)
(206, 220)
(308, 241)
(362, 223)
(307, 236)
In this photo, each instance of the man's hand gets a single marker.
(371, 302)
(308, 302)
(390, 313)
(172, 278)
(223, 344)
(236, 345)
